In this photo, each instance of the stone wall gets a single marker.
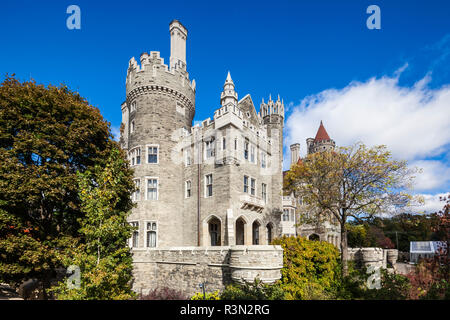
(378, 257)
(184, 268)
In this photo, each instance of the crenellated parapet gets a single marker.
(153, 75)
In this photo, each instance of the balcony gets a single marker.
(252, 203)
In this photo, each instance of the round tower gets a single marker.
(160, 101)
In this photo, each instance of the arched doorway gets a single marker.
(214, 229)
(314, 237)
(240, 231)
(255, 232)
(269, 230)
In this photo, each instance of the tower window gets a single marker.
(285, 214)
(151, 234)
(188, 188)
(263, 159)
(136, 195)
(264, 192)
(133, 106)
(135, 156)
(209, 147)
(224, 143)
(252, 154)
(152, 189)
(152, 154)
(246, 143)
(209, 185)
(132, 126)
(253, 187)
(246, 184)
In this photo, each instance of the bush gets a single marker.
(310, 268)
(164, 294)
(253, 291)
(208, 296)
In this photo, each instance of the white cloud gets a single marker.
(115, 130)
(432, 203)
(434, 174)
(413, 122)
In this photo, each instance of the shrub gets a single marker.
(208, 296)
(253, 291)
(310, 268)
(164, 294)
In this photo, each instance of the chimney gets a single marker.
(295, 152)
(178, 36)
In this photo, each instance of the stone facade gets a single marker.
(184, 268)
(208, 197)
(218, 183)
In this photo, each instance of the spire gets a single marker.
(229, 78)
(228, 94)
(321, 133)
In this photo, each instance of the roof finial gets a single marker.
(228, 78)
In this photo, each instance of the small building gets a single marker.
(424, 249)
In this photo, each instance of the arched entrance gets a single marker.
(214, 231)
(314, 237)
(240, 231)
(255, 232)
(269, 230)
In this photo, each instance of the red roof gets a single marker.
(321, 133)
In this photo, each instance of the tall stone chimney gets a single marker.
(178, 36)
(295, 152)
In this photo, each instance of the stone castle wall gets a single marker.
(184, 268)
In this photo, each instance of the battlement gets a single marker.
(271, 108)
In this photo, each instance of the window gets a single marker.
(253, 187)
(152, 154)
(285, 214)
(263, 159)
(188, 157)
(188, 188)
(235, 144)
(246, 149)
(133, 106)
(264, 192)
(151, 234)
(152, 189)
(132, 126)
(135, 236)
(252, 154)
(245, 184)
(209, 147)
(224, 143)
(136, 195)
(135, 156)
(292, 215)
(209, 182)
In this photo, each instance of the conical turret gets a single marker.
(228, 95)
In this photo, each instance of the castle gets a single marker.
(208, 197)
(293, 207)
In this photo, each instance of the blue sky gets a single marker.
(318, 55)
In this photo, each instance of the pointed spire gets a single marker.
(229, 78)
(270, 97)
(278, 97)
(321, 133)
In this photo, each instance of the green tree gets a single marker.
(47, 134)
(356, 181)
(104, 257)
(310, 268)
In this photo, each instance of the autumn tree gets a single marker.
(47, 135)
(104, 257)
(352, 182)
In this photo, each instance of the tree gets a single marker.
(310, 268)
(104, 258)
(47, 134)
(356, 181)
